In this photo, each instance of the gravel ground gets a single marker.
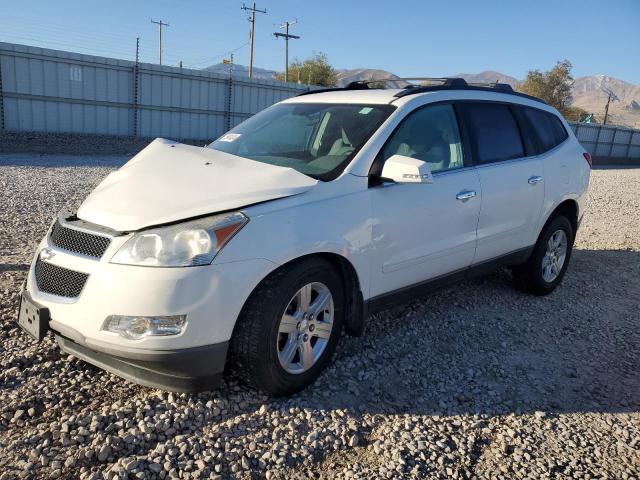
(477, 381)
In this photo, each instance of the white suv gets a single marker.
(255, 252)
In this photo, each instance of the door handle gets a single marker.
(535, 179)
(466, 195)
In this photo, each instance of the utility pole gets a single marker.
(252, 19)
(160, 25)
(611, 97)
(286, 37)
(606, 109)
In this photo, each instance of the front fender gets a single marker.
(340, 226)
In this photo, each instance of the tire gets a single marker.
(531, 276)
(259, 346)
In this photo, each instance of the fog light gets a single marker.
(138, 327)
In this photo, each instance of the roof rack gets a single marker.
(445, 83)
(359, 85)
(365, 84)
(454, 83)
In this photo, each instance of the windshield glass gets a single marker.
(317, 139)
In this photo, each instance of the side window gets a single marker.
(548, 128)
(494, 132)
(559, 133)
(429, 134)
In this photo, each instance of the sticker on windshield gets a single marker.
(365, 110)
(229, 137)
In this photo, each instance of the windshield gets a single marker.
(317, 139)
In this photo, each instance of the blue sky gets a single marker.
(409, 38)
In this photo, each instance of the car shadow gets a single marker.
(485, 348)
(14, 267)
(617, 166)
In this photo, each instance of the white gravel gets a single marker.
(479, 380)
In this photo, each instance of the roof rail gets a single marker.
(445, 83)
(501, 87)
(359, 85)
(364, 84)
(461, 84)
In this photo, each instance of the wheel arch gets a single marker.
(352, 287)
(568, 208)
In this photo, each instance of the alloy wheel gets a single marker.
(305, 328)
(555, 256)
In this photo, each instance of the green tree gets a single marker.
(315, 70)
(554, 87)
(575, 114)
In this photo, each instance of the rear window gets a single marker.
(548, 128)
(494, 132)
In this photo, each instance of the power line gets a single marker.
(286, 37)
(252, 19)
(37, 42)
(200, 62)
(160, 25)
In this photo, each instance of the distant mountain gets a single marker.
(241, 71)
(588, 93)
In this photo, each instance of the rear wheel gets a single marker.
(548, 263)
(289, 328)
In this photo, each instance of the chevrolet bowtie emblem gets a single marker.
(47, 253)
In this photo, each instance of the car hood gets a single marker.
(169, 181)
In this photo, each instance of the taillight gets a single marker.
(587, 157)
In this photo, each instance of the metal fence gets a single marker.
(53, 91)
(609, 142)
(46, 90)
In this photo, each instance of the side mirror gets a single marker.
(403, 169)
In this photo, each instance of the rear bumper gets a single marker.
(184, 370)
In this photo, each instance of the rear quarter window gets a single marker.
(547, 128)
(557, 129)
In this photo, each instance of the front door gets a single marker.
(424, 231)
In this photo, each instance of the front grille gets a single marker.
(78, 241)
(59, 281)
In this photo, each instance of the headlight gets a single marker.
(196, 242)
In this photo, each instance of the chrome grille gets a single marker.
(59, 281)
(78, 241)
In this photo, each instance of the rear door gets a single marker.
(511, 176)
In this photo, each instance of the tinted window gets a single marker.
(429, 134)
(559, 133)
(494, 132)
(547, 127)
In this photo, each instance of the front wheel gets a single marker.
(548, 263)
(289, 328)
